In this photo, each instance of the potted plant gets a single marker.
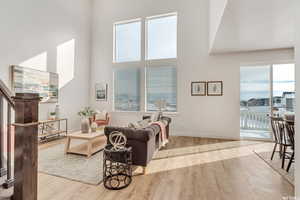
(85, 114)
(52, 115)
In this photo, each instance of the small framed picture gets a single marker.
(101, 91)
(198, 88)
(215, 88)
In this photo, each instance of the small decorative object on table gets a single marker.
(85, 114)
(160, 105)
(117, 161)
(94, 127)
(57, 111)
(52, 116)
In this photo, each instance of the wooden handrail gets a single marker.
(6, 93)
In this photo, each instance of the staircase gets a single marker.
(5, 194)
(18, 145)
(6, 147)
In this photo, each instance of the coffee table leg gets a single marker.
(67, 147)
(89, 149)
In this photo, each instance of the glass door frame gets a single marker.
(271, 83)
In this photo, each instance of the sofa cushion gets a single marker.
(144, 123)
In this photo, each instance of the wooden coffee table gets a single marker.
(94, 142)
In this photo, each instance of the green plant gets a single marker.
(86, 112)
(52, 113)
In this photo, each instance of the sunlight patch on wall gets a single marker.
(38, 62)
(66, 62)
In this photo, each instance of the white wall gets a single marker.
(255, 25)
(297, 58)
(217, 9)
(29, 28)
(198, 116)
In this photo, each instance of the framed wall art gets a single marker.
(26, 80)
(198, 88)
(101, 91)
(214, 88)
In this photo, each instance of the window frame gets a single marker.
(141, 88)
(144, 63)
(114, 60)
(165, 64)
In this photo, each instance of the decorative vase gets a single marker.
(52, 116)
(57, 111)
(94, 127)
(85, 125)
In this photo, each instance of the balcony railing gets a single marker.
(253, 120)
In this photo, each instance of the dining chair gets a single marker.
(289, 126)
(277, 129)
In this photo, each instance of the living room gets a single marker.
(176, 45)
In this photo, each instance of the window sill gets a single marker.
(171, 114)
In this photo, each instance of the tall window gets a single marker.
(161, 37)
(127, 89)
(160, 80)
(162, 85)
(127, 41)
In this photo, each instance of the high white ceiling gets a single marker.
(249, 25)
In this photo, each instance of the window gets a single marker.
(161, 83)
(161, 37)
(127, 89)
(127, 41)
(159, 76)
(284, 88)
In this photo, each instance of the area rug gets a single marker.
(54, 161)
(276, 165)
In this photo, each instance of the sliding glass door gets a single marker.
(255, 104)
(265, 90)
(283, 89)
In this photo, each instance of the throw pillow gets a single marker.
(101, 115)
(134, 125)
(144, 123)
(131, 125)
(165, 122)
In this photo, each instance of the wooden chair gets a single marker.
(290, 130)
(102, 122)
(277, 129)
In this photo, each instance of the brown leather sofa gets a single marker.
(144, 142)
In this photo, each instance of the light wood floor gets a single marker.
(230, 173)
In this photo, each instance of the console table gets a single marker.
(52, 128)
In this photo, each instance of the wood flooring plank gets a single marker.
(222, 170)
